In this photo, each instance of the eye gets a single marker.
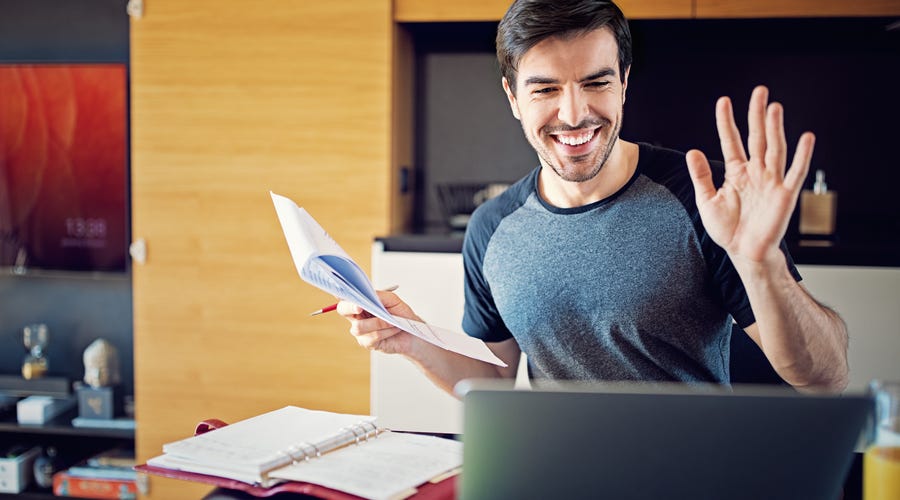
(543, 90)
(597, 85)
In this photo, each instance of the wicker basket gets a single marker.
(459, 200)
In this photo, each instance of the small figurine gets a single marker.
(101, 364)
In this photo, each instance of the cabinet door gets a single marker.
(231, 100)
(432, 284)
(795, 8)
(866, 299)
(493, 10)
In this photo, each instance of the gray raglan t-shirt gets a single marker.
(627, 288)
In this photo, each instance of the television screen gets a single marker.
(63, 167)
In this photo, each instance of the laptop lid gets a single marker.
(627, 441)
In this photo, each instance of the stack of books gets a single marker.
(109, 474)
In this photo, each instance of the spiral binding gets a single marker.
(364, 430)
(353, 434)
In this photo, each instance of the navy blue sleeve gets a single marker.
(670, 169)
(481, 319)
(480, 316)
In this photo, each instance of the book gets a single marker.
(114, 457)
(321, 262)
(42, 409)
(341, 452)
(104, 423)
(66, 485)
(102, 472)
(116, 463)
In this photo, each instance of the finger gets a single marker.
(370, 340)
(776, 149)
(388, 299)
(800, 165)
(348, 309)
(756, 121)
(729, 136)
(701, 176)
(368, 325)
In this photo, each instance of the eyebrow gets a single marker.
(543, 80)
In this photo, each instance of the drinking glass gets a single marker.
(881, 463)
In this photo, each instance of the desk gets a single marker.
(852, 488)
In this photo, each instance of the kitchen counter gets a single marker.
(839, 254)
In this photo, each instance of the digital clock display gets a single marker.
(63, 166)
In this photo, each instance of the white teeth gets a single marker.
(575, 140)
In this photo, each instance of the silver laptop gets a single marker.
(659, 441)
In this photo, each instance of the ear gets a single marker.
(625, 83)
(511, 97)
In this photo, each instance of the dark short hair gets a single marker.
(528, 22)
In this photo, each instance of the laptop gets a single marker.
(657, 441)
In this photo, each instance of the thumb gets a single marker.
(701, 176)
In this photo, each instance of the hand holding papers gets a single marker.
(321, 262)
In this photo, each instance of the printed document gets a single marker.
(324, 264)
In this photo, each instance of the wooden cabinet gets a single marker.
(230, 101)
(492, 10)
(794, 8)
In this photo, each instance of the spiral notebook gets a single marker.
(343, 452)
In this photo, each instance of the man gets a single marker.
(622, 261)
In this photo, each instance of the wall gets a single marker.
(837, 77)
(76, 307)
(229, 101)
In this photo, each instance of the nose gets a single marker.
(573, 107)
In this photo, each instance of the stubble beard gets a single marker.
(575, 175)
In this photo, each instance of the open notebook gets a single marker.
(342, 452)
(628, 441)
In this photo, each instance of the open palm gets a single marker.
(749, 214)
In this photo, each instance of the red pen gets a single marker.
(332, 307)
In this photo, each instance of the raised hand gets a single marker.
(749, 214)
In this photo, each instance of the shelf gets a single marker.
(74, 443)
(34, 494)
(880, 254)
(66, 430)
(31, 495)
(61, 426)
(15, 385)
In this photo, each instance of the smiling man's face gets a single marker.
(569, 98)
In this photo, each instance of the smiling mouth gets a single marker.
(575, 139)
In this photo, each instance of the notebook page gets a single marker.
(381, 468)
(258, 443)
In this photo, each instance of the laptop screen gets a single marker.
(656, 441)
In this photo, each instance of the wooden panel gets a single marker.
(403, 124)
(442, 10)
(493, 10)
(795, 8)
(229, 102)
(657, 9)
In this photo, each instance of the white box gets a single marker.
(16, 473)
(41, 409)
